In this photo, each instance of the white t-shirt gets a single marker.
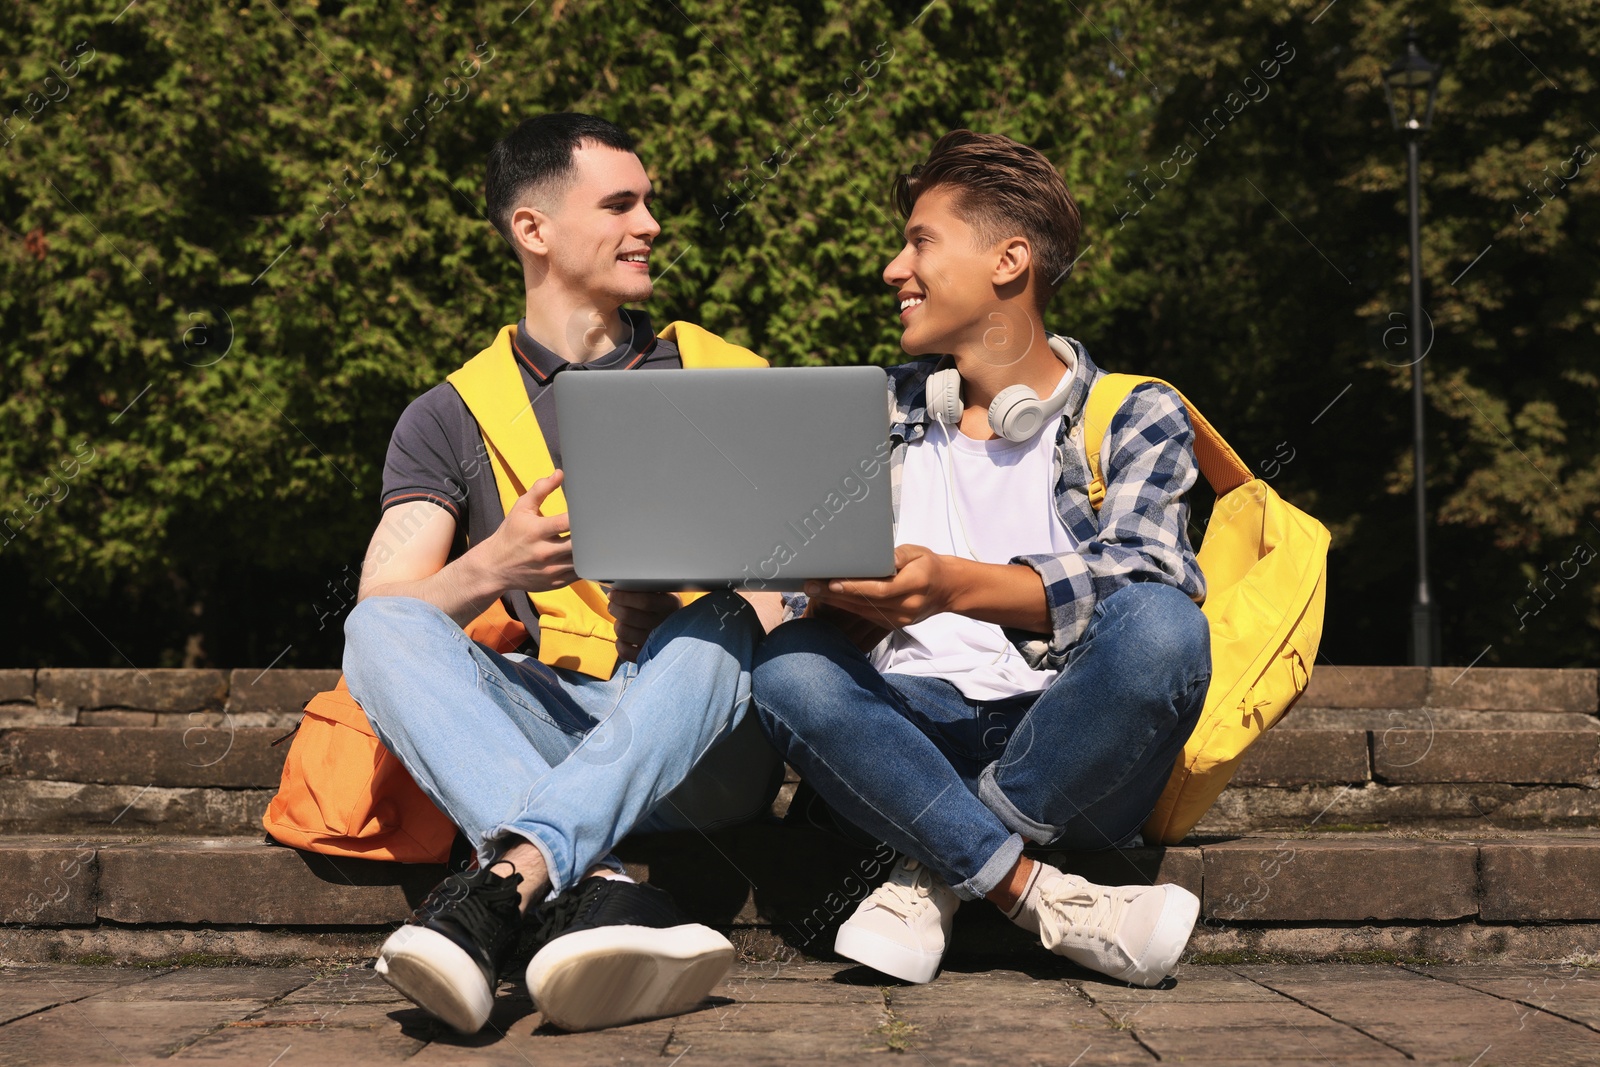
(1004, 506)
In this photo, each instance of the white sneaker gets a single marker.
(1134, 933)
(612, 952)
(903, 926)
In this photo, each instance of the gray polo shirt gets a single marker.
(436, 452)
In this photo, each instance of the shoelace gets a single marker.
(482, 910)
(1075, 912)
(904, 898)
(560, 913)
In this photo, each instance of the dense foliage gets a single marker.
(236, 240)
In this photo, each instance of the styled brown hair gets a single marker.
(1003, 188)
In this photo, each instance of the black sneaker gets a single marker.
(611, 952)
(447, 959)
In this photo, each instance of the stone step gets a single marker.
(1405, 754)
(1306, 717)
(68, 807)
(247, 758)
(1371, 806)
(218, 780)
(199, 780)
(1473, 688)
(776, 883)
(222, 756)
(28, 806)
(273, 697)
(1413, 777)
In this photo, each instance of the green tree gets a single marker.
(1251, 275)
(237, 241)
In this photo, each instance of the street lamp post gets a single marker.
(1409, 86)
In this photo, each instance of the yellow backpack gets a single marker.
(1265, 564)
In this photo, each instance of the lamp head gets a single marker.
(1410, 86)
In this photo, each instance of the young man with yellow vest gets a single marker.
(1033, 670)
(546, 756)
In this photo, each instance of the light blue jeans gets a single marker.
(507, 745)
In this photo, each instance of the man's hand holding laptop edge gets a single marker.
(638, 613)
(928, 583)
(527, 552)
(533, 551)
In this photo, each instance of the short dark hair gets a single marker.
(1003, 188)
(537, 156)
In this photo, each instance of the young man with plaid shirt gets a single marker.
(1033, 669)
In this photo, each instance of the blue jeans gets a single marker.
(958, 784)
(507, 745)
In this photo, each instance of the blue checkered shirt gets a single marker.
(1141, 532)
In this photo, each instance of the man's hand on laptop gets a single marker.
(533, 552)
(638, 614)
(923, 585)
(926, 583)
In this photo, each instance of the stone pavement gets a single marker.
(1352, 1015)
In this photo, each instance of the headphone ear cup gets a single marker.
(942, 394)
(1016, 413)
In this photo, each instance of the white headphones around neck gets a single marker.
(1016, 412)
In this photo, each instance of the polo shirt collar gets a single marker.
(543, 364)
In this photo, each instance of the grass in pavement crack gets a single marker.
(895, 1031)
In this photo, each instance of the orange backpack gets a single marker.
(344, 794)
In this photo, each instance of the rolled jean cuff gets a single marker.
(994, 871)
(494, 846)
(996, 801)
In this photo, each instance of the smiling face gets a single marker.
(943, 278)
(598, 236)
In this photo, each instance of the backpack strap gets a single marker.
(1221, 465)
(575, 623)
(491, 386)
(699, 347)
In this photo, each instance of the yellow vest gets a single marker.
(575, 629)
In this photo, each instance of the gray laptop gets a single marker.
(716, 479)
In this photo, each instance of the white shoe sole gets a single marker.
(436, 975)
(622, 974)
(1167, 941)
(890, 957)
